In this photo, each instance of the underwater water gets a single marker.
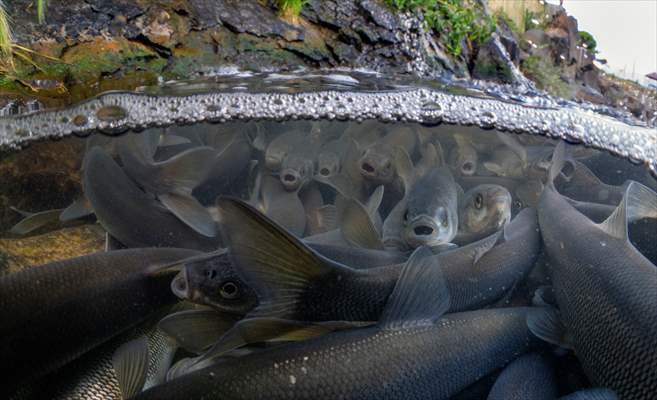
(328, 257)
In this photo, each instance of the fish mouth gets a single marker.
(290, 179)
(179, 285)
(468, 168)
(424, 231)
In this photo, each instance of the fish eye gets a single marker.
(229, 290)
(479, 201)
(518, 204)
(467, 166)
(210, 273)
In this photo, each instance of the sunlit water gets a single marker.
(119, 183)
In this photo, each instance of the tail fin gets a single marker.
(558, 160)
(273, 261)
(638, 202)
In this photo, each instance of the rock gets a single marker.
(245, 17)
(62, 244)
(509, 41)
(489, 64)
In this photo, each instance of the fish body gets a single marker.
(133, 217)
(606, 291)
(528, 377)
(314, 288)
(93, 377)
(52, 314)
(430, 361)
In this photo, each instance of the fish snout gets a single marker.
(376, 169)
(291, 179)
(274, 161)
(423, 232)
(468, 168)
(179, 285)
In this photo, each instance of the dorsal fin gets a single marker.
(420, 296)
(638, 202)
(405, 168)
(357, 226)
(278, 266)
(514, 145)
(373, 203)
(558, 160)
(196, 330)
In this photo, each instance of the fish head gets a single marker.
(274, 157)
(485, 209)
(376, 164)
(429, 229)
(296, 171)
(328, 164)
(464, 161)
(215, 282)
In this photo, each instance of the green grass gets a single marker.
(6, 56)
(453, 20)
(291, 7)
(546, 75)
(41, 11)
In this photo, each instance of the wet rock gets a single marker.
(490, 65)
(245, 17)
(509, 41)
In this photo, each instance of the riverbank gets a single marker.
(100, 45)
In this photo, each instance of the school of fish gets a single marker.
(326, 260)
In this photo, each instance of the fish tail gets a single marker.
(558, 161)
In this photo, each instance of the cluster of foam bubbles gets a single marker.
(114, 113)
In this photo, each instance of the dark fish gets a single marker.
(282, 145)
(212, 280)
(56, 312)
(358, 224)
(130, 215)
(529, 377)
(410, 349)
(428, 215)
(231, 162)
(465, 159)
(294, 281)
(296, 170)
(483, 210)
(580, 183)
(591, 394)
(606, 290)
(172, 181)
(377, 163)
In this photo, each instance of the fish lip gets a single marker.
(290, 179)
(415, 240)
(273, 162)
(179, 285)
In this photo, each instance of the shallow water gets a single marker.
(120, 183)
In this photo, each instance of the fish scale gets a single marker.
(421, 362)
(607, 295)
(52, 314)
